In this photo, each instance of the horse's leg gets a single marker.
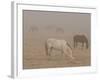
(86, 44)
(62, 52)
(50, 51)
(82, 44)
(74, 44)
(47, 49)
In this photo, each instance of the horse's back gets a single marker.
(56, 43)
(80, 37)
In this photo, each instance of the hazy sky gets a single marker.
(75, 22)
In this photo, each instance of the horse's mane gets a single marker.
(69, 45)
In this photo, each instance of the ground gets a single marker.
(34, 55)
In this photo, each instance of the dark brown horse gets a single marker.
(80, 39)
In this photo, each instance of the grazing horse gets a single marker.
(59, 45)
(59, 30)
(80, 39)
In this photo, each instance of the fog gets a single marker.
(76, 23)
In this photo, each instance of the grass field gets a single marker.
(34, 55)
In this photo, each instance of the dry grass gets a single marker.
(34, 55)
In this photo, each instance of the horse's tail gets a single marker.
(46, 48)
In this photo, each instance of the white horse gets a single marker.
(60, 45)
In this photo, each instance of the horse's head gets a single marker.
(70, 51)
